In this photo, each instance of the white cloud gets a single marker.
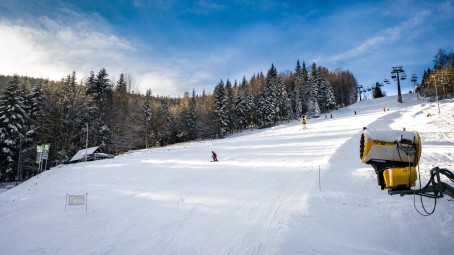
(44, 48)
(48, 48)
(383, 39)
(163, 83)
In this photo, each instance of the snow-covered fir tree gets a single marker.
(121, 118)
(220, 104)
(39, 100)
(250, 108)
(283, 101)
(192, 117)
(186, 118)
(169, 124)
(325, 95)
(297, 94)
(313, 108)
(240, 108)
(67, 112)
(229, 99)
(13, 123)
(267, 104)
(100, 88)
(35, 106)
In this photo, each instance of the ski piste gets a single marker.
(264, 197)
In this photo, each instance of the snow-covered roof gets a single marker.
(81, 154)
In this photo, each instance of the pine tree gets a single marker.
(229, 99)
(206, 125)
(66, 112)
(240, 108)
(220, 104)
(13, 122)
(100, 89)
(122, 124)
(183, 118)
(313, 109)
(283, 102)
(267, 104)
(34, 103)
(192, 117)
(169, 132)
(377, 92)
(39, 99)
(136, 130)
(150, 136)
(325, 95)
(250, 109)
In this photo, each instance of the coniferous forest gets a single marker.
(62, 113)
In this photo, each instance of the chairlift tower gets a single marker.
(395, 76)
(360, 91)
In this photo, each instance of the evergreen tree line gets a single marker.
(439, 81)
(62, 113)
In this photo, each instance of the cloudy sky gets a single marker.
(174, 46)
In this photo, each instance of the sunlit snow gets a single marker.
(263, 196)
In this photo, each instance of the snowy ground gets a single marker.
(262, 197)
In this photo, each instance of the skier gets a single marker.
(304, 121)
(214, 156)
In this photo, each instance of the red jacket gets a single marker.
(213, 154)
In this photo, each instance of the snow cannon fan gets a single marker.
(393, 154)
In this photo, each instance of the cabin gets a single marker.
(93, 153)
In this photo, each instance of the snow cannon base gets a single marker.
(388, 149)
(400, 177)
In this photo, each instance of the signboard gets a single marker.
(39, 153)
(45, 154)
(76, 200)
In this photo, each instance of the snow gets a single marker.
(263, 196)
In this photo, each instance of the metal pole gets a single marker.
(399, 95)
(436, 93)
(396, 71)
(86, 202)
(19, 161)
(86, 144)
(39, 165)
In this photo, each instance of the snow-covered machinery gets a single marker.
(393, 154)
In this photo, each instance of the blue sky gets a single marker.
(175, 46)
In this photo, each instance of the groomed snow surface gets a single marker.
(263, 196)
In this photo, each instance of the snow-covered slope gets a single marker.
(282, 190)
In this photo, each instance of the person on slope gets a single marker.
(214, 156)
(304, 121)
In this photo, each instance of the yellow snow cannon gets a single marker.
(394, 155)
